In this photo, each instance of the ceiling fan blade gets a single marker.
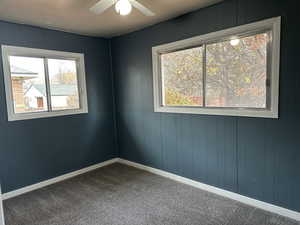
(142, 8)
(101, 6)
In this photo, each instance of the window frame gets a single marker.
(272, 25)
(8, 50)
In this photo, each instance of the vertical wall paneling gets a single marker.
(39, 149)
(255, 157)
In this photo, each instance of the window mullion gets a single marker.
(204, 75)
(47, 80)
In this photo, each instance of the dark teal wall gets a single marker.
(39, 149)
(256, 157)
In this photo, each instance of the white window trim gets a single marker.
(272, 24)
(41, 53)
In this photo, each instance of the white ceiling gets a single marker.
(74, 15)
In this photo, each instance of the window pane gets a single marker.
(237, 72)
(28, 84)
(63, 84)
(182, 77)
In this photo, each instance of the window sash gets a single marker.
(269, 26)
(204, 65)
(8, 51)
(47, 81)
(162, 78)
(48, 86)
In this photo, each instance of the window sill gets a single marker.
(264, 113)
(37, 115)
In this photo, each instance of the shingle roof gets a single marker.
(18, 70)
(58, 89)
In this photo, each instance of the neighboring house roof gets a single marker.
(18, 70)
(20, 73)
(56, 89)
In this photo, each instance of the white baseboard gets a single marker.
(246, 200)
(2, 222)
(56, 179)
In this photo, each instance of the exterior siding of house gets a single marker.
(31, 97)
(17, 85)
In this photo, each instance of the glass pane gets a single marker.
(237, 72)
(28, 84)
(182, 73)
(63, 84)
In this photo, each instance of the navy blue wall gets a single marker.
(39, 149)
(256, 157)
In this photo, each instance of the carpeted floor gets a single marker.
(121, 195)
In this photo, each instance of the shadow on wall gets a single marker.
(129, 139)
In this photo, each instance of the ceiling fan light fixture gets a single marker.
(123, 7)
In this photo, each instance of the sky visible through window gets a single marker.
(29, 63)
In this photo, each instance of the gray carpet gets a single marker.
(121, 195)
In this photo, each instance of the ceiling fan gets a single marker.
(123, 7)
